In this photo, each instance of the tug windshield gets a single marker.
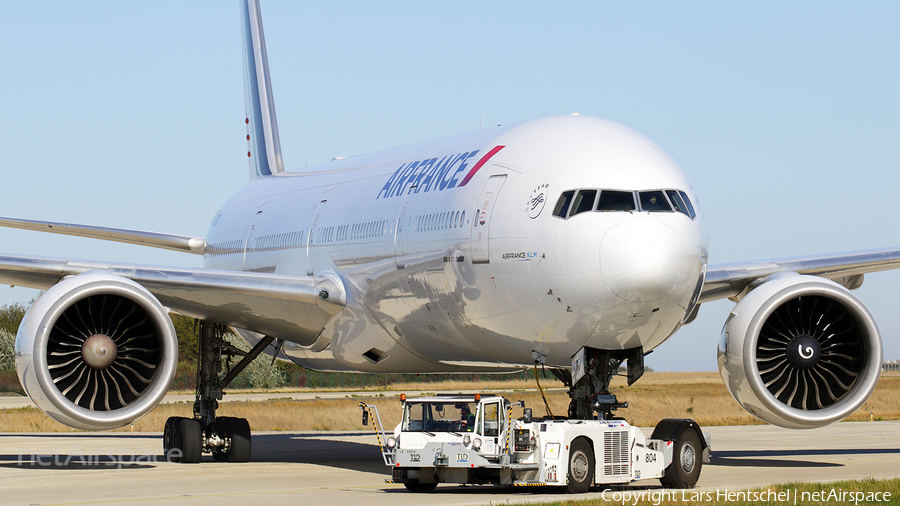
(438, 417)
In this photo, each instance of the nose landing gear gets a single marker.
(589, 383)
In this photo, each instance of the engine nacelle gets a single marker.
(800, 352)
(96, 351)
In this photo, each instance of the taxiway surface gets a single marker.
(340, 468)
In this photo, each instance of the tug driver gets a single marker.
(467, 419)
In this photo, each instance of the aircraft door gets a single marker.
(481, 220)
(251, 234)
(311, 239)
(401, 236)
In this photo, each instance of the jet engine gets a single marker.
(800, 352)
(96, 351)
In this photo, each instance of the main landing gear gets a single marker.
(227, 438)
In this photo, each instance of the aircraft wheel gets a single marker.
(238, 429)
(169, 437)
(687, 459)
(581, 466)
(188, 439)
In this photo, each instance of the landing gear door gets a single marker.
(579, 362)
(481, 222)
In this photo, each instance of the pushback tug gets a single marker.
(473, 439)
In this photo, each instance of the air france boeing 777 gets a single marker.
(570, 241)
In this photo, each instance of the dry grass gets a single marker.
(700, 396)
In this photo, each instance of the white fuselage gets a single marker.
(449, 268)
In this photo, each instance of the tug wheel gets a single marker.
(687, 459)
(420, 487)
(580, 473)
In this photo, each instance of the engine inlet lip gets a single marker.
(868, 377)
(76, 288)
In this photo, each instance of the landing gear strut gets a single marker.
(227, 438)
(590, 389)
(588, 383)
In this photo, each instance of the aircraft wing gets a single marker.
(287, 307)
(729, 280)
(183, 243)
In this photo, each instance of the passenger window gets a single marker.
(675, 198)
(562, 206)
(654, 201)
(616, 201)
(687, 202)
(584, 201)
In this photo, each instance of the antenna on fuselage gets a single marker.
(264, 150)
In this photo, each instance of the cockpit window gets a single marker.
(574, 202)
(690, 206)
(675, 198)
(584, 201)
(654, 201)
(562, 206)
(611, 200)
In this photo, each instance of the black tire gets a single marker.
(189, 440)
(169, 437)
(580, 471)
(172, 439)
(238, 429)
(422, 488)
(687, 459)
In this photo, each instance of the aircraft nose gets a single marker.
(641, 260)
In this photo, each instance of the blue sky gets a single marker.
(784, 115)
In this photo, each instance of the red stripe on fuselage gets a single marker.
(478, 165)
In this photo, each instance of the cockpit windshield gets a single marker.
(654, 201)
(580, 201)
(611, 200)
